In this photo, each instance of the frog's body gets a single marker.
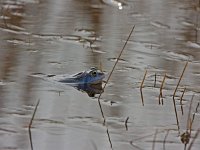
(92, 76)
(89, 81)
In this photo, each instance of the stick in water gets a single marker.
(112, 72)
(181, 99)
(141, 86)
(30, 124)
(161, 87)
(175, 94)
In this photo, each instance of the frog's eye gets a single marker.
(94, 73)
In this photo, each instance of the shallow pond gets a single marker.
(69, 36)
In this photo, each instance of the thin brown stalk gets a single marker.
(161, 87)
(30, 125)
(181, 99)
(165, 139)
(141, 86)
(31, 121)
(185, 137)
(174, 102)
(188, 119)
(126, 121)
(112, 72)
(193, 116)
(91, 45)
(192, 142)
(135, 146)
(154, 139)
(155, 81)
(109, 138)
(185, 146)
(30, 138)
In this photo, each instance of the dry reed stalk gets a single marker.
(185, 137)
(91, 45)
(102, 113)
(181, 99)
(141, 86)
(154, 139)
(161, 87)
(193, 116)
(165, 139)
(195, 136)
(30, 124)
(109, 139)
(31, 121)
(155, 81)
(189, 113)
(112, 72)
(174, 102)
(126, 121)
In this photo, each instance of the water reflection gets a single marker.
(90, 89)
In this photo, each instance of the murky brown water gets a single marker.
(68, 36)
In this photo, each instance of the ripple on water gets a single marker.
(85, 32)
(159, 25)
(96, 49)
(177, 56)
(193, 44)
(81, 121)
(6, 130)
(148, 44)
(84, 121)
(136, 14)
(18, 112)
(120, 60)
(4, 83)
(43, 121)
(116, 122)
(48, 36)
(15, 30)
(115, 3)
(71, 37)
(122, 70)
(12, 5)
(54, 62)
(19, 42)
(108, 102)
(31, 1)
(187, 23)
(84, 37)
(4, 17)
(14, 27)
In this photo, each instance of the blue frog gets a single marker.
(92, 76)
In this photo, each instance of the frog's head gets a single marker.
(93, 76)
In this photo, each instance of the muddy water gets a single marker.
(57, 37)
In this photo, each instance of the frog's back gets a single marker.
(85, 77)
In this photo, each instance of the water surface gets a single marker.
(58, 37)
